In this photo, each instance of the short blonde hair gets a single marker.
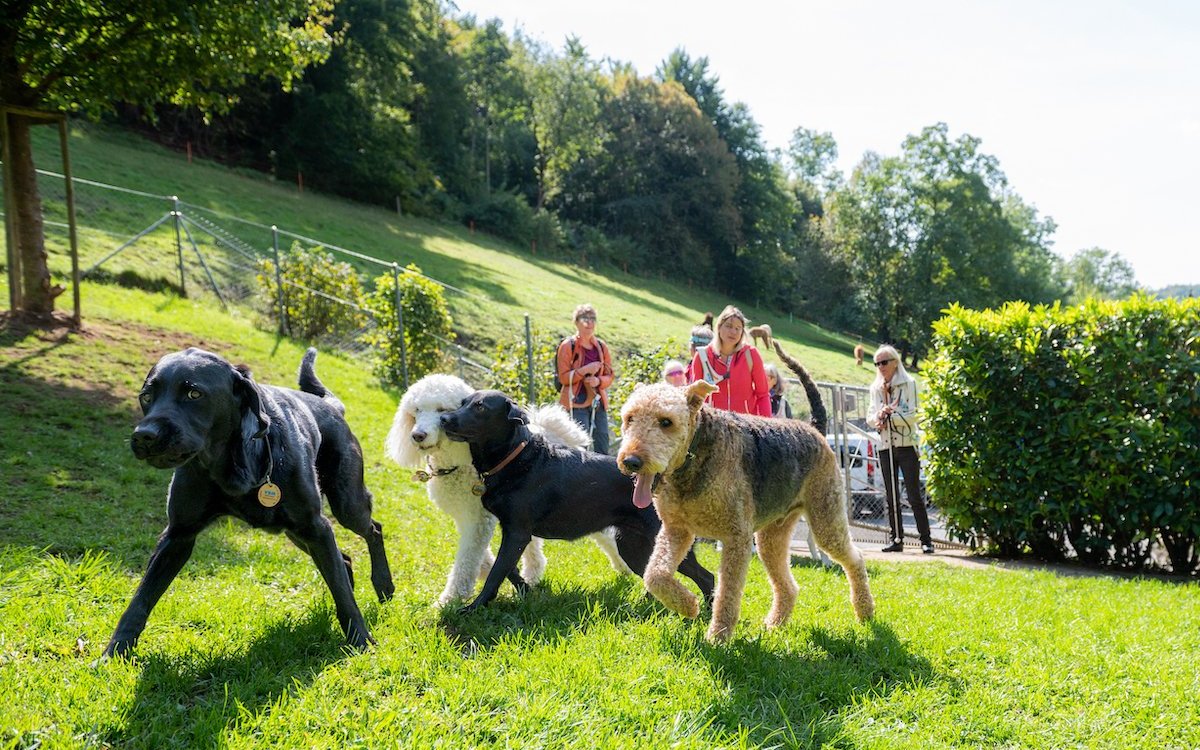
(581, 310)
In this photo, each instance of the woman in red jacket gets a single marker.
(732, 364)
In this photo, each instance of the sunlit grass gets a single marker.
(243, 650)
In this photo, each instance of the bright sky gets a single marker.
(1092, 108)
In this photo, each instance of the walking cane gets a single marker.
(895, 509)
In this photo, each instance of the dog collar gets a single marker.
(424, 476)
(269, 493)
(478, 488)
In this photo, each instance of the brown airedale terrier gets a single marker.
(737, 479)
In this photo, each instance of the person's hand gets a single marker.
(590, 368)
(591, 381)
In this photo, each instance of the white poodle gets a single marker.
(416, 441)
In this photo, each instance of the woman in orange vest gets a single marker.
(585, 371)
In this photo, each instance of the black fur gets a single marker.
(551, 492)
(216, 427)
(819, 417)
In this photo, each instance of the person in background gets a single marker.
(586, 372)
(893, 412)
(731, 363)
(701, 336)
(675, 373)
(777, 385)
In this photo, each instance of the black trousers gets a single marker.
(908, 462)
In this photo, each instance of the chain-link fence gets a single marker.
(163, 242)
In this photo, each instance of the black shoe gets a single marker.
(894, 547)
(927, 549)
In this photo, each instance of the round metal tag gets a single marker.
(269, 495)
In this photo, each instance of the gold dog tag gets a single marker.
(269, 495)
(477, 489)
(421, 476)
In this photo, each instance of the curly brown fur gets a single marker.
(738, 479)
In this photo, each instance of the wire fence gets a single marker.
(160, 242)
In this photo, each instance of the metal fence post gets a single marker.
(529, 357)
(178, 245)
(283, 321)
(400, 326)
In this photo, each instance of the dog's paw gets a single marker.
(718, 633)
(119, 649)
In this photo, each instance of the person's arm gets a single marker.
(875, 407)
(563, 363)
(760, 390)
(607, 376)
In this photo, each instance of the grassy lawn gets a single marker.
(243, 650)
(499, 283)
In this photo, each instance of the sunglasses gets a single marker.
(673, 373)
(586, 319)
(883, 362)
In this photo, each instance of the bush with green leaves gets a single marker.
(428, 326)
(1069, 431)
(510, 367)
(316, 290)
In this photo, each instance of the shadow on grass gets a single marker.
(784, 696)
(543, 616)
(191, 700)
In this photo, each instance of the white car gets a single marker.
(861, 452)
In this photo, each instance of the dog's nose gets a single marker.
(418, 436)
(631, 462)
(145, 436)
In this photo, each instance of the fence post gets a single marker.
(178, 245)
(400, 326)
(283, 321)
(529, 358)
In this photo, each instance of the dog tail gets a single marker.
(310, 383)
(819, 416)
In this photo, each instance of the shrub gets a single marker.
(510, 369)
(427, 326)
(1065, 431)
(321, 295)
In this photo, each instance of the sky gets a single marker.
(1091, 108)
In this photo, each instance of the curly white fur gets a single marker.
(416, 440)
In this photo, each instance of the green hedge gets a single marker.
(1069, 432)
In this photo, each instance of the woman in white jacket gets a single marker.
(893, 412)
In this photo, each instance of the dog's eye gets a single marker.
(194, 394)
(144, 398)
(478, 406)
(664, 423)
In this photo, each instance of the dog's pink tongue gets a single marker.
(642, 483)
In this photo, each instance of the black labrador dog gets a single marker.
(259, 453)
(538, 489)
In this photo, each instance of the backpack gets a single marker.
(558, 384)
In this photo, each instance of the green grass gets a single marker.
(243, 650)
(503, 282)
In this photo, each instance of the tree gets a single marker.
(935, 226)
(1096, 272)
(87, 55)
(813, 155)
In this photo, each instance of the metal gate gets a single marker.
(857, 447)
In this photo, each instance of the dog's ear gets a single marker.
(697, 392)
(516, 414)
(255, 421)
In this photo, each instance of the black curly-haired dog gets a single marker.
(538, 489)
(259, 453)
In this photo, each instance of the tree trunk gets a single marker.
(38, 293)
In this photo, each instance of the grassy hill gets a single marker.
(243, 650)
(500, 282)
